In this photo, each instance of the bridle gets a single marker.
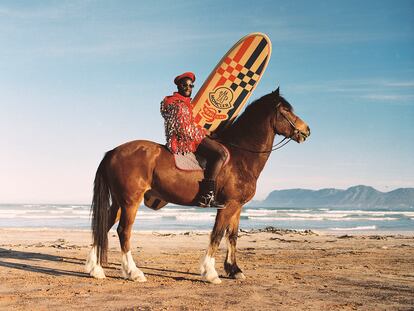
(280, 144)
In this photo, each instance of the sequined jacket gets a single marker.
(181, 132)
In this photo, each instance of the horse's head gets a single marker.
(286, 122)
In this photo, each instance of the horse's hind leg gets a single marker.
(129, 269)
(92, 266)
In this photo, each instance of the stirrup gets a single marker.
(208, 201)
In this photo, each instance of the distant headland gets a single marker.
(357, 197)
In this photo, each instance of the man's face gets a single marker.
(185, 87)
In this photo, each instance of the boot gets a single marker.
(206, 197)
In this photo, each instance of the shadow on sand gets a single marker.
(37, 262)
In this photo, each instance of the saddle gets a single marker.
(194, 162)
(187, 162)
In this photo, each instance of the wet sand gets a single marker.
(285, 270)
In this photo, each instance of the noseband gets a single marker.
(280, 144)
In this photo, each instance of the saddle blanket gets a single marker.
(190, 162)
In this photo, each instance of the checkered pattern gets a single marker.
(245, 78)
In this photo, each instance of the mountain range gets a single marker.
(356, 197)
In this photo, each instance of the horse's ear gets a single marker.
(276, 92)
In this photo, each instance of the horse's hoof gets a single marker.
(213, 278)
(97, 272)
(214, 281)
(239, 276)
(135, 275)
(138, 277)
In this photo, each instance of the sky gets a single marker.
(78, 78)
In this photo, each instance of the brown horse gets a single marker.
(130, 170)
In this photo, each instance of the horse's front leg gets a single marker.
(230, 265)
(223, 219)
(207, 264)
(129, 269)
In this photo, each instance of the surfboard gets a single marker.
(230, 84)
(227, 89)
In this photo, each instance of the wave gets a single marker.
(195, 217)
(330, 214)
(355, 228)
(147, 217)
(317, 218)
(48, 217)
(376, 213)
(5, 213)
(273, 211)
(281, 218)
(200, 216)
(52, 215)
(57, 212)
(81, 212)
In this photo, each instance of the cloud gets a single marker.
(375, 89)
(399, 84)
(159, 42)
(59, 11)
(388, 97)
(74, 28)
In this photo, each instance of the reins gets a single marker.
(276, 146)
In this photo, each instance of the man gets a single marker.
(184, 135)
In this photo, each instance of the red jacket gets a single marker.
(182, 133)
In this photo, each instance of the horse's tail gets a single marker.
(100, 210)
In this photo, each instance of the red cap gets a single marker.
(189, 75)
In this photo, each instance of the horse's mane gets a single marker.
(264, 105)
(285, 103)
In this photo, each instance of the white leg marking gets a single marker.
(229, 251)
(208, 272)
(92, 267)
(130, 270)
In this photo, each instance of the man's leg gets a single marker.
(215, 154)
(216, 157)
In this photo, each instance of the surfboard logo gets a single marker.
(221, 98)
(210, 114)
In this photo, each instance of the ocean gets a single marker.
(181, 218)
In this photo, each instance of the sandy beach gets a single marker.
(44, 270)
